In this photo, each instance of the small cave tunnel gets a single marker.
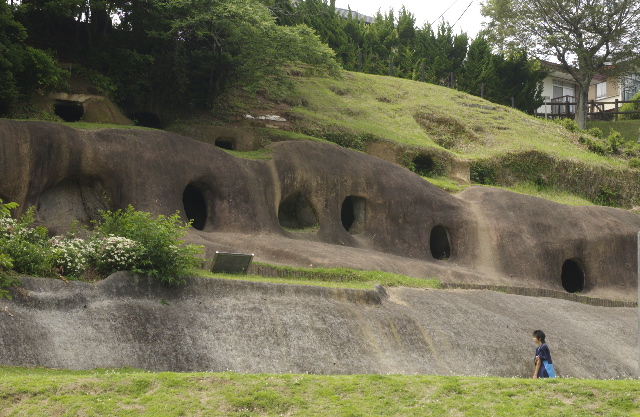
(572, 276)
(439, 243)
(423, 165)
(295, 212)
(195, 206)
(146, 119)
(353, 214)
(226, 143)
(68, 110)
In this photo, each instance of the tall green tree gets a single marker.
(23, 69)
(584, 36)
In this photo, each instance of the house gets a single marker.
(559, 90)
(606, 91)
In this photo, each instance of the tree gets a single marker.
(23, 69)
(585, 36)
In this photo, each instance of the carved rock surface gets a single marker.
(254, 327)
(319, 204)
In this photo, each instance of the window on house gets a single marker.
(601, 90)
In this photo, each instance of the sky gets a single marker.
(426, 11)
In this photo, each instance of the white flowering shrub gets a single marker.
(122, 240)
(115, 253)
(26, 246)
(70, 255)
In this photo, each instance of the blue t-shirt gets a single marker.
(543, 352)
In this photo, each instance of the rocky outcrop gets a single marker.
(319, 204)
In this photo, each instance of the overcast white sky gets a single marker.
(426, 11)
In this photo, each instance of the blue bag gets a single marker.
(549, 368)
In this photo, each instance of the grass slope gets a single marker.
(128, 392)
(425, 115)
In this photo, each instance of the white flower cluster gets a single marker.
(7, 226)
(116, 253)
(70, 255)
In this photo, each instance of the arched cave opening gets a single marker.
(295, 212)
(195, 206)
(572, 276)
(423, 165)
(226, 143)
(67, 110)
(146, 119)
(439, 243)
(353, 214)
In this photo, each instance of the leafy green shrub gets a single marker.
(483, 174)
(615, 141)
(165, 256)
(594, 145)
(27, 246)
(568, 124)
(596, 132)
(634, 163)
(631, 107)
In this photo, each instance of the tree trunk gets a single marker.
(582, 107)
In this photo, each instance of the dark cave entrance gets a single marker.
(352, 214)
(439, 243)
(226, 143)
(295, 212)
(195, 206)
(423, 165)
(146, 119)
(67, 110)
(572, 276)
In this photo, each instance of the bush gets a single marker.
(70, 256)
(615, 141)
(594, 145)
(163, 254)
(27, 246)
(634, 163)
(631, 107)
(596, 132)
(122, 240)
(116, 253)
(568, 124)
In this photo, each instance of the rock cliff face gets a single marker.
(317, 203)
(220, 325)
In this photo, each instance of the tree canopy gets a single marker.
(584, 36)
(183, 54)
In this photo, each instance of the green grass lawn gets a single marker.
(128, 392)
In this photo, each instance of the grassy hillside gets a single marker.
(425, 115)
(124, 392)
(503, 146)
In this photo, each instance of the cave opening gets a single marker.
(572, 276)
(423, 165)
(195, 206)
(352, 214)
(146, 119)
(439, 243)
(295, 212)
(68, 110)
(226, 143)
